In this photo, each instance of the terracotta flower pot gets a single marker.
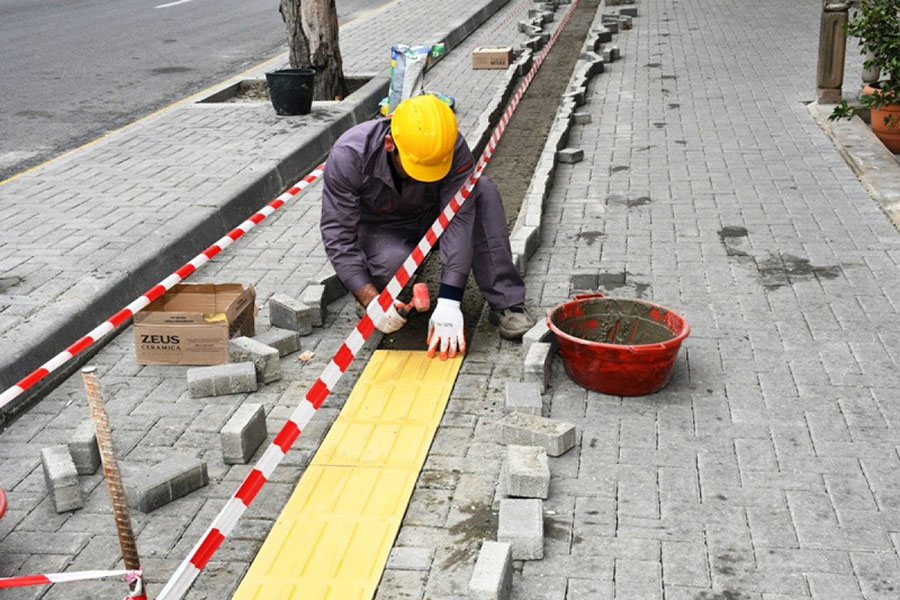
(889, 133)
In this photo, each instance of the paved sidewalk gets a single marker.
(768, 468)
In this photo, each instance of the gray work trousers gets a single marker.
(492, 265)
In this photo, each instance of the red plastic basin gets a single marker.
(620, 347)
(2, 502)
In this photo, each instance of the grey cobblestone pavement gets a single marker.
(766, 470)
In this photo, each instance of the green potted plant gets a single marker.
(877, 26)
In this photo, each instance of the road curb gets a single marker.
(874, 165)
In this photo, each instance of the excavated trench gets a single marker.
(512, 165)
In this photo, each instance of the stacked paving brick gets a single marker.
(256, 360)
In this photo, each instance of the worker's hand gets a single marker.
(445, 329)
(387, 321)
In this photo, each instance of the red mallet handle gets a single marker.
(420, 301)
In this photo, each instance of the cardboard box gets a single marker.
(492, 57)
(192, 323)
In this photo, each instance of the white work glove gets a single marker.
(445, 329)
(387, 321)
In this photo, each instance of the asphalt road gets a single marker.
(73, 70)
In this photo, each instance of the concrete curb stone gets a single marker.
(874, 165)
(588, 65)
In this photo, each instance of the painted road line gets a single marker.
(334, 536)
(176, 3)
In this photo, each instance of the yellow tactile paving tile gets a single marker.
(334, 535)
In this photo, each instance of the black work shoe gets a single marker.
(513, 322)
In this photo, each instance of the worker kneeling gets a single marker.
(385, 183)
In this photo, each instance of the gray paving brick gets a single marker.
(521, 525)
(527, 472)
(149, 488)
(524, 397)
(582, 118)
(83, 448)
(539, 333)
(638, 579)
(538, 363)
(61, 478)
(264, 358)
(289, 313)
(570, 155)
(831, 585)
(243, 433)
(314, 297)
(685, 564)
(531, 430)
(405, 558)
(232, 378)
(493, 573)
(283, 340)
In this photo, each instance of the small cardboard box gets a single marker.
(492, 57)
(192, 323)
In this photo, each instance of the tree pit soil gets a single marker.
(256, 90)
(511, 167)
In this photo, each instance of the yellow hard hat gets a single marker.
(424, 130)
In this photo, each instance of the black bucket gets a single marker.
(291, 90)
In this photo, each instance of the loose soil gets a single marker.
(513, 163)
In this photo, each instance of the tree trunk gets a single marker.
(312, 31)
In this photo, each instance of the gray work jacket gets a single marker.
(359, 195)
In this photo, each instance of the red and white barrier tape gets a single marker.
(503, 23)
(228, 517)
(156, 291)
(47, 578)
